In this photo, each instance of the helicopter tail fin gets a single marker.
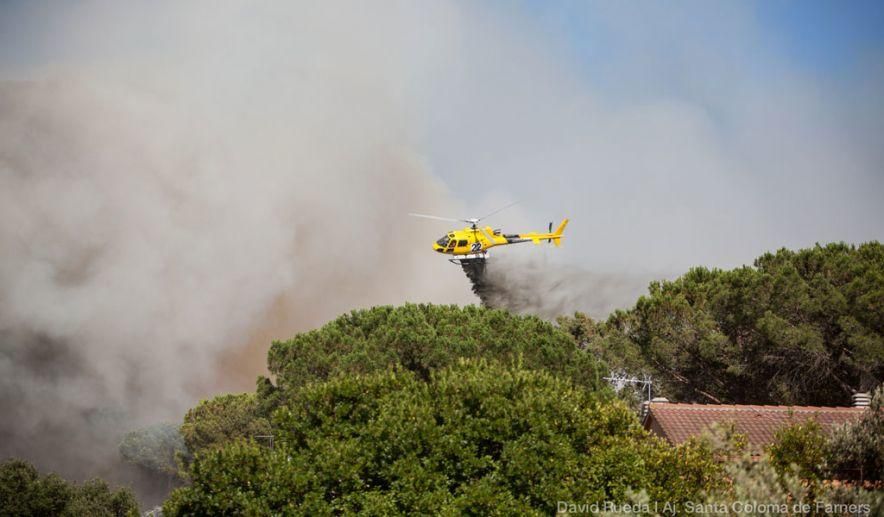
(557, 235)
(538, 238)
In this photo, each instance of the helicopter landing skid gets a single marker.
(465, 260)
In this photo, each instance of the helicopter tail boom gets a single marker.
(554, 237)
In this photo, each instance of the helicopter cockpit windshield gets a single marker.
(443, 241)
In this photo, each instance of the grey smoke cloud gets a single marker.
(166, 210)
(526, 284)
(137, 251)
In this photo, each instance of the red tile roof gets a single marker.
(677, 422)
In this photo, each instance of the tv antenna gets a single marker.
(620, 380)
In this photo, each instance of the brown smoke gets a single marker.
(162, 221)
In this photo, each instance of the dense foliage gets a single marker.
(24, 492)
(478, 437)
(799, 448)
(223, 419)
(422, 338)
(857, 450)
(756, 487)
(854, 451)
(767, 485)
(155, 448)
(803, 327)
(418, 338)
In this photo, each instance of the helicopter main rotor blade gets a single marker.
(498, 210)
(436, 217)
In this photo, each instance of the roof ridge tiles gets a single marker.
(747, 407)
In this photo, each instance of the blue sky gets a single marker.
(821, 35)
(824, 35)
(839, 44)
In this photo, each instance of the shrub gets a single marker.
(857, 450)
(477, 437)
(23, 493)
(800, 447)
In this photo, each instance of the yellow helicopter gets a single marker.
(472, 243)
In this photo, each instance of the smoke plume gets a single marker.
(162, 218)
(526, 285)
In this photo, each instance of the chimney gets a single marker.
(646, 406)
(861, 400)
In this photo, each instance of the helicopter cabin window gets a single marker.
(443, 241)
(452, 243)
(461, 244)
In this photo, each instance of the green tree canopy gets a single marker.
(24, 492)
(223, 419)
(418, 338)
(155, 448)
(422, 338)
(477, 437)
(803, 327)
